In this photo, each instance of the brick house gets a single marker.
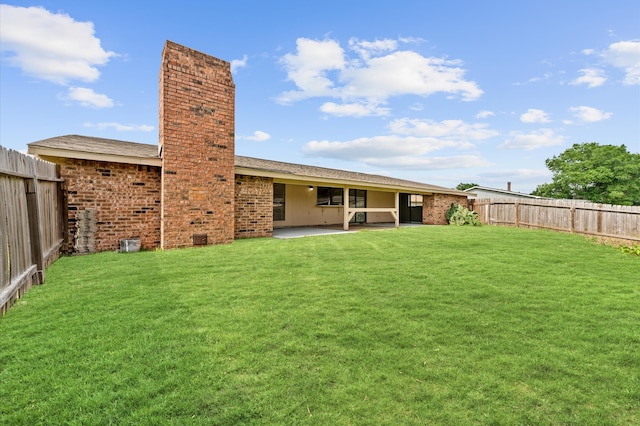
(191, 189)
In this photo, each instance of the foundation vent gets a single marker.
(199, 239)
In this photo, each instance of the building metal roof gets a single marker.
(100, 149)
(497, 192)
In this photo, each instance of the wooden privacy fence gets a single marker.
(602, 220)
(31, 222)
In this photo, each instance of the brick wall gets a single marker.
(435, 206)
(197, 99)
(125, 198)
(253, 207)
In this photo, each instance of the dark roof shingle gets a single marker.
(302, 170)
(94, 145)
(99, 146)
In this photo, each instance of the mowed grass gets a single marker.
(428, 325)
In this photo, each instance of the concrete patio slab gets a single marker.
(306, 232)
(311, 231)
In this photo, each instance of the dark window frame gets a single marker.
(279, 206)
(329, 196)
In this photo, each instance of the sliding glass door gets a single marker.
(358, 198)
(411, 208)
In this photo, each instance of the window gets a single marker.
(415, 200)
(329, 196)
(278, 201)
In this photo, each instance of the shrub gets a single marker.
(463, 216)
(631, 250)
(450, 212)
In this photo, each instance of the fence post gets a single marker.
(63, 202)
(517, 207)
(35, 235)
(599, 219)
(572, 212)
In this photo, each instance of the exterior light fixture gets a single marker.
(310, 187)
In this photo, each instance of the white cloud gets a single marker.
(533, 140)
(455, 162)
(484, 114)
(309, 66)
(323, 69)
(377, 147)
(51, 46)
(589, 114)
(410, 147)
(545, 76)
(87, 98)
(121, 127)
(366, 49)
(592, 77)
(535, 116)
(456, 130)
(259, 136)
(239, 63)
(411, 40)
(625, 55)
(407, 73)
(404, 152)
(354, 109)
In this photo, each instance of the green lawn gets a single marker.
(428, 325)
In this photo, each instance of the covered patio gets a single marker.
(326, 200)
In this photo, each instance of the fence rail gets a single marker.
(31, 222)
(581, 217)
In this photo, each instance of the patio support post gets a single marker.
(397, 206)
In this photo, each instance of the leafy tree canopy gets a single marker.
(463, 186)
(599, 173)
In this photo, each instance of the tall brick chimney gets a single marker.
(197, 113)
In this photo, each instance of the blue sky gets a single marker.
(436, 92)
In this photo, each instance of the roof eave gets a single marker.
(278, 176)
(42, 151)
(299, 179)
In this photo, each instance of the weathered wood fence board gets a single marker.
(31, 222)
(602, 220)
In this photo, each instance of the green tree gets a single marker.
(463, 186)
(599, 173)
